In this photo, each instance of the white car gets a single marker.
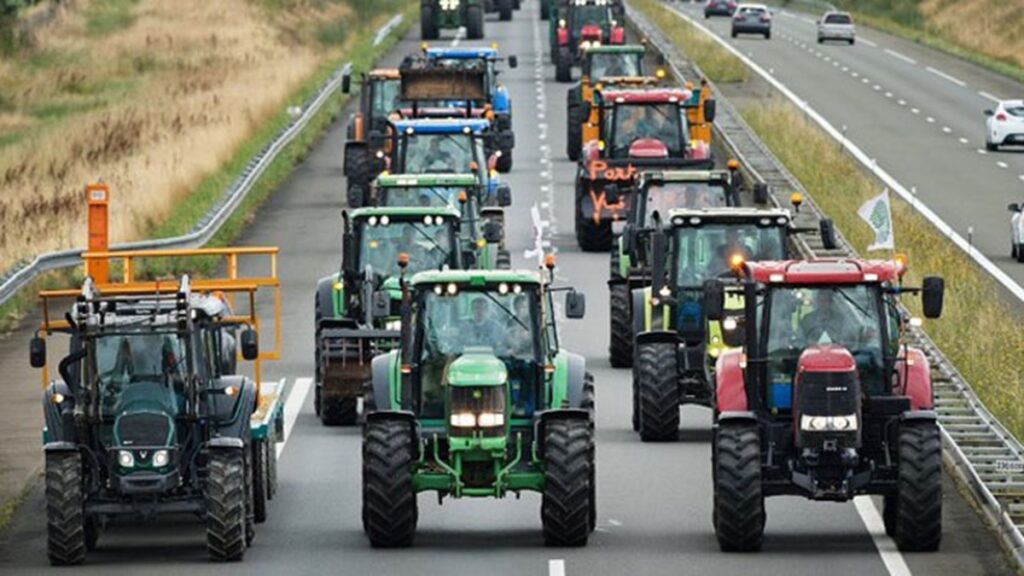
(1004, 125)
(1016, 232)
(836, 26)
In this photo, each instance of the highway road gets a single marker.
(918, 112)
(654, 500)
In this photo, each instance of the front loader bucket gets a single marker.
(346, 355)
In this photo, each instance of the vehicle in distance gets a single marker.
(1004, 125)
(719, 8)
(836, 26)
(752, 19)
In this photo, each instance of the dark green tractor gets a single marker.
(357, 308)
(480, 401)
(674, 344)
(437, 15)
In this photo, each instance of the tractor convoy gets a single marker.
(450, 360)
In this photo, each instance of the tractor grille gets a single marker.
(828, 393)
(144, 429)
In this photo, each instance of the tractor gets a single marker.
(674, 342)
(582, 24)
(640, 129)
(437, 15)
(356, 309)
(480, 402)
(826, 399)
(657, 192)
(379, 98)
(148, 416)
(461, 83)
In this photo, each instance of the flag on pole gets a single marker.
(878, 214)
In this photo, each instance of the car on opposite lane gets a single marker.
(752, 19)
(1004, 125)
(836, 26)
(719, 8)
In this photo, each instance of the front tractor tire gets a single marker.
(563, 65)
(336, 411)
(428, 26)
(620, 344)
(390, 511)
(505, 8)
(566, 506)
(738, 500)
(474, 22)
(226, 496)
(658, 390)
(65, 515)
(260, 478)
(917, 517)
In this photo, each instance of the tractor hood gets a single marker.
(477, 367)
(590, 32)
(647, 148)
(146, 412)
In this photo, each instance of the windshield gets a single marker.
(661, 122)
(802, 317)
(137, 371)
(838, 19)
(666, 197)
(703, 252)
(423, 196)
(439, 153)
(505, 323)
(603, 64)
(587, 15)
(386, 97)
(428, 245)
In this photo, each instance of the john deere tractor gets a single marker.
(437, 15)
(357, 308)
(640, 129)
(657, 193)
(582, 24)
(674, 345)
(480, 401)
(148, 415)
(379, 97)
(825, 399)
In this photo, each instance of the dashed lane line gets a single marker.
(945, 76)
(902, 57)
(292, 407)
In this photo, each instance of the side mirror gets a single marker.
(827, 230)
(761, 193)
(714, 300)
(250, 344)
(932, 291)
(381, 304)
(504, 193)
(989, 113)
(612, 194)
(492, 232)
(37, 352)
(513, 61)
(1013, 207)
(575, 305)
(710, 107)
(346, 83)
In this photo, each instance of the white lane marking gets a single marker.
(1002, 164)
(915, 111)
(865, 81)
(868, 42)
(614, 522)
(1021, 177)
(988, 96)
(877, 87)
(891, 557)
(846, 68)
(854, 74)
(292, 407)
(945, 76)
(982, 151)
(556, 567)
(947, 129)
(902, 102)
(930, 120)
(899, 56)
(963, 140)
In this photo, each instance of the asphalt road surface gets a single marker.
(654, 500)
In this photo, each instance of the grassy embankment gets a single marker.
(979, 330)
(166, 103)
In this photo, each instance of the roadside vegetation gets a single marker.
(978, 330)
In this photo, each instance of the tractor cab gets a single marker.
(601, 63)
(379, 98)
(825, 377)
(483, 390)
(580, 25)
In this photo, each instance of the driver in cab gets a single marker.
(482, 329)
(825, 324)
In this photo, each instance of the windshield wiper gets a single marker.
(432, 241)
(507, 311)
(846, 297)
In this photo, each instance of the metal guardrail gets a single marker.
(21, 275)
(979, 451)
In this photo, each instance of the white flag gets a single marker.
(877, 213)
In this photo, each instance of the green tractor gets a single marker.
(674, 344)
(657, 192)
(480, 402)
(437, 15)
(357, 308)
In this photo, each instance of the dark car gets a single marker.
(752, 19)
(719, 8)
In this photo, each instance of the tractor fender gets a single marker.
(500, 102)
(569, 378)
(919, 416)
(917, 385)
(226, 443)
(730, 391)
(657, 337)
(231, 414)
(540, 425)
(562, 36)
(50, 447)
(638, 298)
(54, 414)
(740, 416)
(381, 369)
(328, 303)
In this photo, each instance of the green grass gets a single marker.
(59, 110)
(108, 16)
(719, 65)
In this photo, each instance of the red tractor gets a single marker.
(825, 399)
(638, 128)
(583, 24)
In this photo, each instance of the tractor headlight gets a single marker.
(394, 325)
(491, 419)
(449, 4)
(463, 420)
(841, 423)
(729, 324)
(125, 459)
(161, 458)
(477, 406)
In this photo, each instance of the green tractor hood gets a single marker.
(477, 367)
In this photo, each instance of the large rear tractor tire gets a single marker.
(357, 177)
(317, 369)
(917, 525)
(428, 27)
(336, 411)
(504, 165)
(260, 480)
(565, 507)
(591, 236)
(474, 22)
(225, 506)
(620, 344)
(738, 499)
(658, 389)
(589, 404)
(65, 515)
(574, 124)
(505, 8)
(390, 512)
